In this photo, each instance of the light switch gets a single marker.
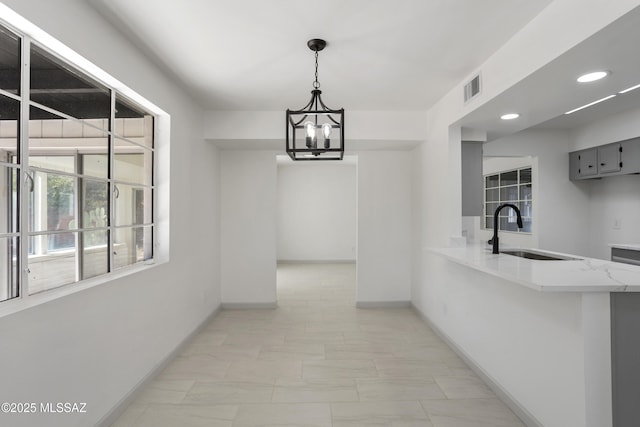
(617, 224)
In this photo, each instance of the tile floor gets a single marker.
(317, 361)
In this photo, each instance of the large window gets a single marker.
(76, 173)
(512, 186)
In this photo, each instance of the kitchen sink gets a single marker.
(539, 256)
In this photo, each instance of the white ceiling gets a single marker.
(381, 54)
(543, 97)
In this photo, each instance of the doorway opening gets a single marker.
(316, 218)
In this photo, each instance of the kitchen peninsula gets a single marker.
(540, 332)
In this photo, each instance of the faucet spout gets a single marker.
(496, 248)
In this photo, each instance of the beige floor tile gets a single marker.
(225, 352)
(438, 352)
(196, 366)
(317, 360)
(339, 369)
(208, 337)
(187, 416)
(246, 338)
(315, 390)
(228, 391)
(359, 351)
(292, 352)
(284, 414)
(470, 413)
(327, 326)
(316, 338)
(464, 387)
(387, 389)
(385, 337)
(265, 369)
(165, 391)
(405, 414)
(130, 415)
(235, 325)
(401, 368)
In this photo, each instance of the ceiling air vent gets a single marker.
(472, 88)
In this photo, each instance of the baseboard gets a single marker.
(124, 403)
(249, 305)
(383, 304)
(521, 412)
(316, 261)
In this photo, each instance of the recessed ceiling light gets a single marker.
(510, 116)
(630, 89)
(590, 104)
(592, 77)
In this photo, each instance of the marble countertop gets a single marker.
(580, 275)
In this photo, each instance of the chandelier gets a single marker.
(315, 132)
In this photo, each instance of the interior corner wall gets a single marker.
(97, 345)
(248, 227)
(560, 205)
(317, 211)
(384, 226)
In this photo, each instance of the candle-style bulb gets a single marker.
(310, 134)
(326, 131)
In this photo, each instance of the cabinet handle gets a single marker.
(602, 164)
(590, 166)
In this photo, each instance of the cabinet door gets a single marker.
(574, 165)
(609, 158)
(630, 155)
(587, 163)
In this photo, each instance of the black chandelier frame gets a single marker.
(314, 111)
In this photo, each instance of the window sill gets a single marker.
(16, 305)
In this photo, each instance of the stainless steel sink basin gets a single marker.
(539, 256)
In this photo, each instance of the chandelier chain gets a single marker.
(316, 83)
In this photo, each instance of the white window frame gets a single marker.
(30, 33)
(526, 217)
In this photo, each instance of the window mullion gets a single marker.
(22, 287)
(78, 203)
(110, 199)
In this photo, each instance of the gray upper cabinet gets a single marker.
(609, 159)
(583, 164)
(587, 162)
(617, 158)
(630, 155)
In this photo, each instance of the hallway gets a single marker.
(317, 360)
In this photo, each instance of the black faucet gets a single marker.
(496, 249)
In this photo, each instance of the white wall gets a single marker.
(560, 206)
(395, 127)
(621, 126)
(316, 211)
(249, 238)
(613, 199)
(248, 227)
(94, 346)
(384, 227)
